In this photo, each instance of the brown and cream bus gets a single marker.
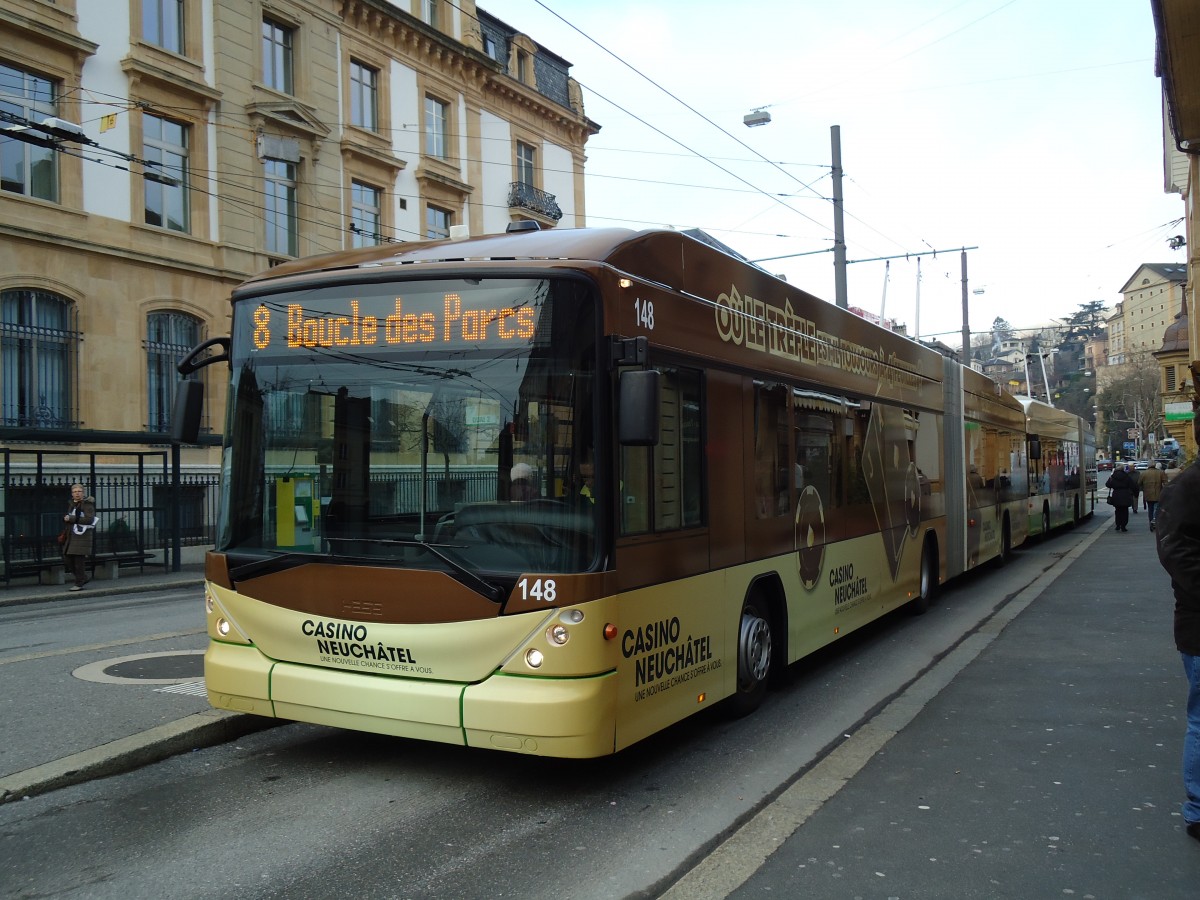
(553, 491)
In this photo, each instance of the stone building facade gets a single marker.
(157, 153)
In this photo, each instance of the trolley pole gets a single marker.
(839, 227)
(966, 326)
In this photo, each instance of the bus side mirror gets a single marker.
(185, 414)
(189, 394)
(637, 424)
(1035, 447)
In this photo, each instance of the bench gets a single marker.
(49, 570)
(107, 566)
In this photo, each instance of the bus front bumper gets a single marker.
(563, 717)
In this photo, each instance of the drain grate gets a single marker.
(192, 689)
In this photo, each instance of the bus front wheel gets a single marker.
(755, 647)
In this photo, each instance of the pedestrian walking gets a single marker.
(1178, 535)
(1122, 494)
(1137, 486)
(78, 535)
(1152, 482)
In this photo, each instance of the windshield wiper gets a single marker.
(275, 563)
(469, 578)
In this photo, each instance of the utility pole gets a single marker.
(966, 326)
(839, 228)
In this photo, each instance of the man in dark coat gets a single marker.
(1178, 532)
(1122, 494)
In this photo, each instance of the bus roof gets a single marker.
(593, 244)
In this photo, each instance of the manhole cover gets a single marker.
(190, 666)
(171, 667)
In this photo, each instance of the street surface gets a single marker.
(305, 811)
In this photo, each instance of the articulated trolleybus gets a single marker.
(553, 491)
(1062, 458)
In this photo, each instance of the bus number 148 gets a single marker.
(538, 589)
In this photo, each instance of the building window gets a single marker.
(169, 337)
(522, 67)
(366, 217)
(429, 12)
(364, 96)
(277, 56)
(526, 158)
(26, 168)
(38, 348)
(436, 120)
(166, 143)
(162, 24)
(437, 223)
(279, 207)
(1170, 379)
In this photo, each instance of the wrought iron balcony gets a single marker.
(526, 196)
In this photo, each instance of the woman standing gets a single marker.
(80, 526)
(1122, 494)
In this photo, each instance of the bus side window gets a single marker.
(859, 516)
(772, 480)
(635, 490)
(814, 451)
(662, 487)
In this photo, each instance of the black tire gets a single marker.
(919, 605)
(1005, 544)
(755, 646)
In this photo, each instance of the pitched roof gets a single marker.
(1165, 271)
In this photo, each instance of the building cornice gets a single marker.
(141, 67)
(43, 32)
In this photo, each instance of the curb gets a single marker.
(124, 754)
(118, 587)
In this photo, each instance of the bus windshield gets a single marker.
(441, 424)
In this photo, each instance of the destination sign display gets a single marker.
(501, 316)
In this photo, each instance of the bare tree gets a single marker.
(1132, 399)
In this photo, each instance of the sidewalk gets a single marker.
(1040, 758)
(152, 578)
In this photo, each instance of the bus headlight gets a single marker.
(223, 627)
(557, 634)
(533, 658)
(209, 602)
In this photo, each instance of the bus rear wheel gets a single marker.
(1005, 543)
(919, 605)
(755, 647)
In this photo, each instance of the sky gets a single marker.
(1029, 130)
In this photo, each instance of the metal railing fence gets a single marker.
(135, 501)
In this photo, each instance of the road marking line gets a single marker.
(87, 648)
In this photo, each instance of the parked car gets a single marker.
(1104, 465)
